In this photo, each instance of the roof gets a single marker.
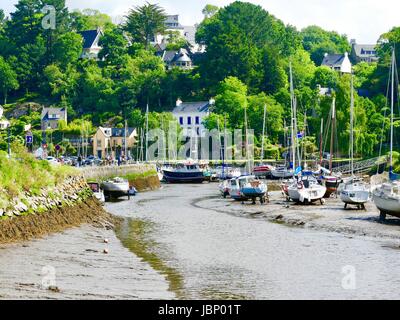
(364, 50)
(176, 56)
(190, 34)
(333, 60)
(120, 132)
(168, 56)
(61, 112)
(172, 22)
(89, 37)
(190, 107)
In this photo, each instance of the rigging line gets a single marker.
(384, 115)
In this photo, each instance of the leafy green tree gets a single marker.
(8, 78)
(114, 46)
(238, 38)
(89, 19)
(68, 49)
(325, 77)
(317, 42)
(144, 22)
(209, 11)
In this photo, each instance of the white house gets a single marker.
(338, 62)
(91, 47)
(191, 115)
(4, 123)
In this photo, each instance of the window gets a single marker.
(189, 120)
(181, 121)
(197, 120)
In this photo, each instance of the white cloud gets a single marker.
(364, 20)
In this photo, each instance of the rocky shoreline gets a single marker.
(68, 205)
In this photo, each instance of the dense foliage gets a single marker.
(245, 66)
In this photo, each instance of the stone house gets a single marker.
(111, 142)
(338, 62)
(51, 117)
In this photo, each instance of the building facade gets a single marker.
(363, 52)
(91, 47)
(110, 142)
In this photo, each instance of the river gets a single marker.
(210, 254)
(185, 242)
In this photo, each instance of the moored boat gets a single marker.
(184, 173)
(306, 190)
(254, 189)
(354, 192)
(263, 171)
(97, 191)
(115, 188)
(281, 172)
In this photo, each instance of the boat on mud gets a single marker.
(224, 188)
(254, 189)
(306, 189)
(115, 188)
(184, 173)
(281, 172)
(97, 191)
(354, 192)
(263, 171)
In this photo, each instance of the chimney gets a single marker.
(211, 102)
(346, 54)
(353, 42)
(178, 102)
(326, 54)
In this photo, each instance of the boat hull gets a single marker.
(281, 174)
(306, 195)
(387, 204)
(354, 197)
(184, 177)
(115, 190)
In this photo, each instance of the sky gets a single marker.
(363, 20)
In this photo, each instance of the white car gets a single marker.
(52, 161)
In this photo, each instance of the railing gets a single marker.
(360, 166)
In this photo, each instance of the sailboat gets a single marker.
(263, 170)
(354, 191)
(387, 196)
(303, 189)
(331, 181)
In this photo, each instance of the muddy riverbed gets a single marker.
(186, 242)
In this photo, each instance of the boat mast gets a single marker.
(147, 130)
(224, 149)
(332, 134)
(352, 126)
(392, 111)
(321, 156)
(263, 134)
(293, 109)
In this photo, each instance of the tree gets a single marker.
(209, 11)
(143, 23)
(8, 78)
(89, 19)
(114, 46)
(242, 41)
(318, 41)
(68, 49)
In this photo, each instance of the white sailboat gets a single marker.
(387, 196)
(301, 189)
(354, 191)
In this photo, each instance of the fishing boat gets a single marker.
(354, 191)
(97, 191)
(254, 189)
(387, 196)
(184, 173)
(306, 189)
(115, 188)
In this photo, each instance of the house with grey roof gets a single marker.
(51, 117)
(111, 142)
(91, 47)
(191, 115)
(177, 59)
(338, 62)
(363, 52)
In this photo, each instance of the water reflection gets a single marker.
(135, 235)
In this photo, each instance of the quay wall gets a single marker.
(142, 176)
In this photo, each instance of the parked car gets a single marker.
(52, 161)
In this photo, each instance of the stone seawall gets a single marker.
(115, 171)
(53, 210)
